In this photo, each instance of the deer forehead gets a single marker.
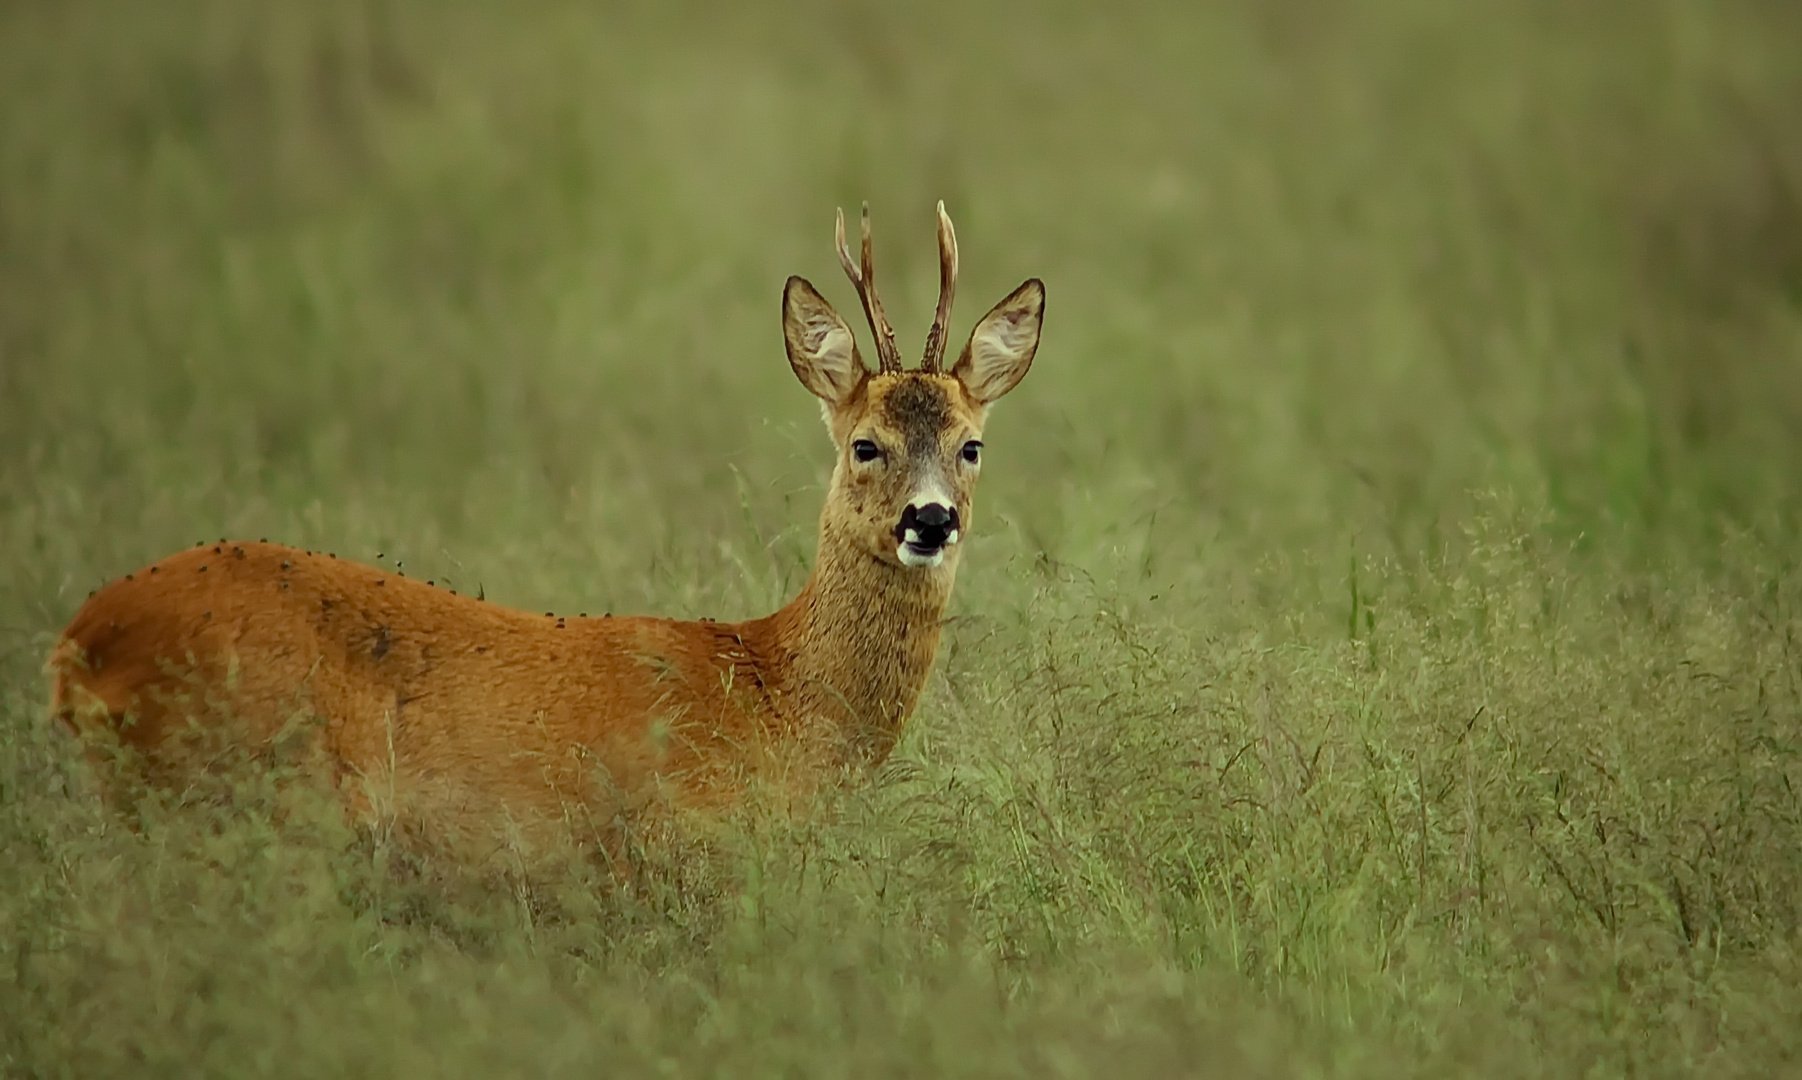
(920, 409)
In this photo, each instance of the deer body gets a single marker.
(458, 714)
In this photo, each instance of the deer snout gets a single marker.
(924, 531)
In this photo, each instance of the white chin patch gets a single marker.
(910, 557)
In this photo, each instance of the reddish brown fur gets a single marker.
(461, 716)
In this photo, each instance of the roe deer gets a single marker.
(452, 713)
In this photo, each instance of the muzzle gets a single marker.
(924, 532)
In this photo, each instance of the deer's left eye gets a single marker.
(973, 452)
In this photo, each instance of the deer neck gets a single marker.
(860, 639)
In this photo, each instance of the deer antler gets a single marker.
(888, 357)
(941, 322)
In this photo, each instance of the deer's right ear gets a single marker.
(821, 348)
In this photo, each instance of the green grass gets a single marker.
(1377, 655)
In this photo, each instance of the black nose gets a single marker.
(935, 516)
(930, 525)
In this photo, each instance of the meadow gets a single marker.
(1377, 652)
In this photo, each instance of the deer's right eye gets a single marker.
(865, 450)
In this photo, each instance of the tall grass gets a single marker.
(1377, 652)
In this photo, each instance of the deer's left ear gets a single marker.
(1002, 345)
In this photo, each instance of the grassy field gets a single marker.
(1378, 655)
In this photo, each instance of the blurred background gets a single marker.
(1376, 652)
(453, 275)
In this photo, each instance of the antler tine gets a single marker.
(888, 357)
(844, 254)
(886, 353)
(941, 322)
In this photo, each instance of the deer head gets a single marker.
(909, 442)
